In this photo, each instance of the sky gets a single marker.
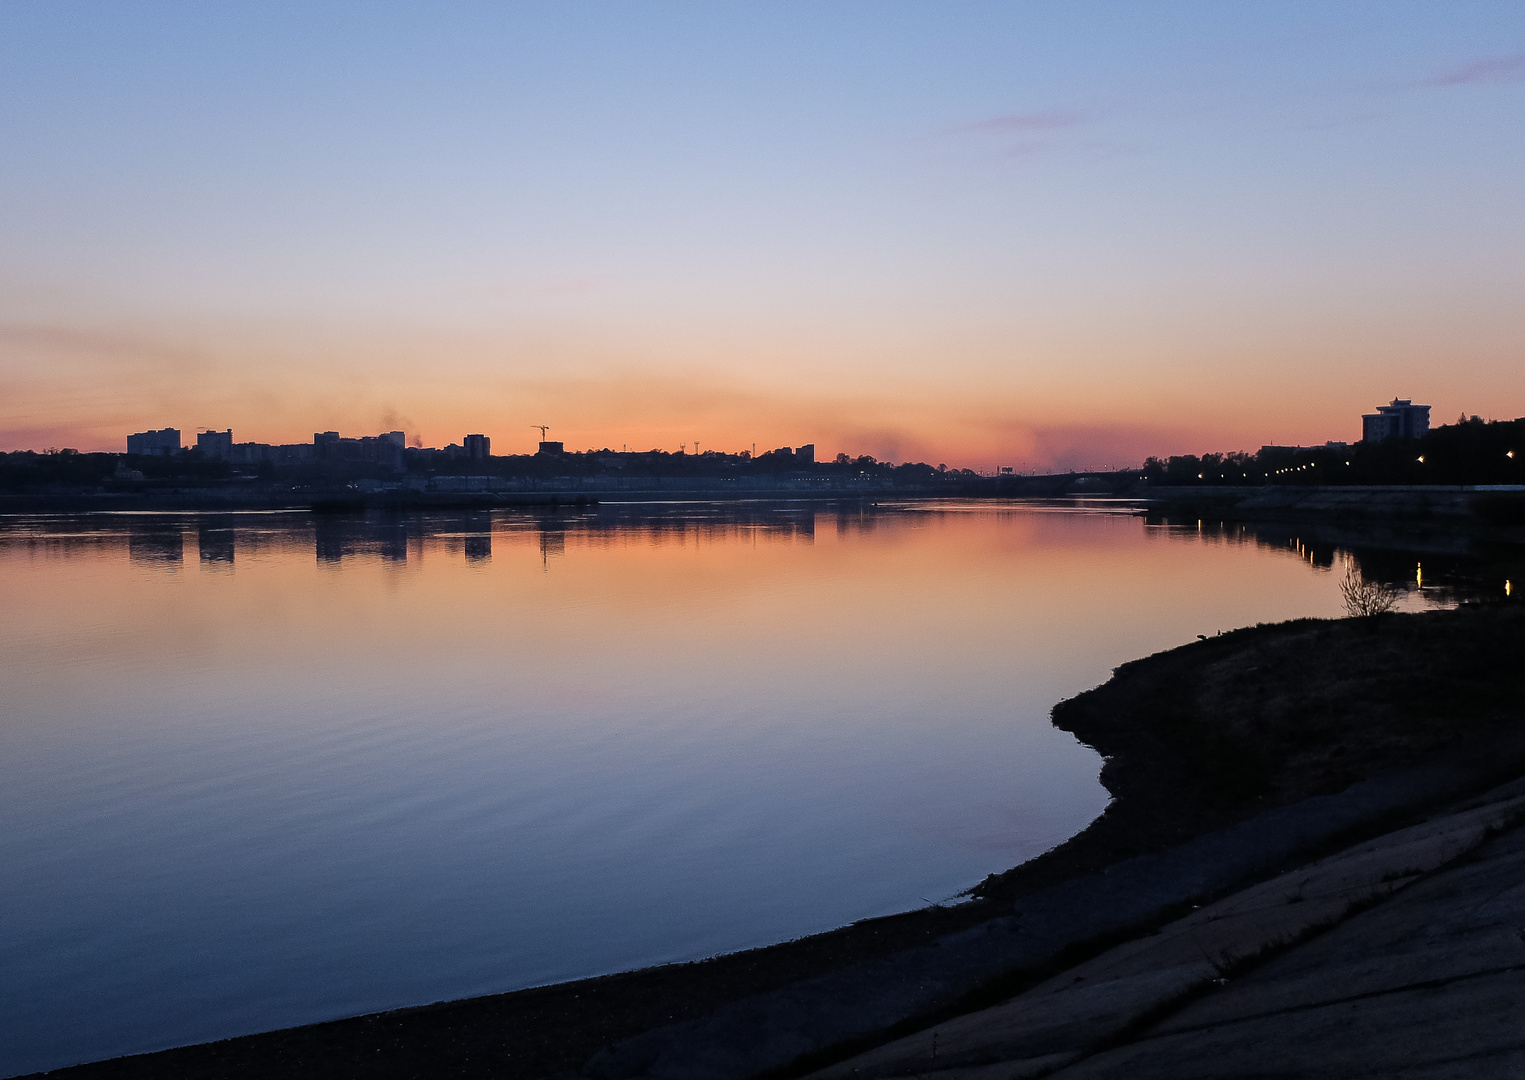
(1038, 235)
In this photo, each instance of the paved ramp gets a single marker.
(1404, 956)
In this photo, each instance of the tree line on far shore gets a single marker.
(1470, 451)
(67, 468)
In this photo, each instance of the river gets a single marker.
(263, 769)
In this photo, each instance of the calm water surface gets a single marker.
(263, 769)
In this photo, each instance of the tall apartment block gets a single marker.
(161, 443)
(216, 445)
(1401, 419)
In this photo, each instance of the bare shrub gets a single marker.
(1365, 598)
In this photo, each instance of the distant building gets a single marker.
(805, 455)
(251, 453)
(477, 447)
(384, 450)
(255, 453)
(551, 448)
(1401, 419)
(161, 443)
(326, 445)
(217, 445)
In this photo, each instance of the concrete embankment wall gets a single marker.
(1440, 504)
(746, 1037)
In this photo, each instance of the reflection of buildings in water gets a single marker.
(215, 544)
(478, 548)
(330, 540)
(856, 520)
(796, 526)
(392, 541)
(1446, 566)
(553, 541)
(477, 543)
(804, 527)
(155, 546)
(339, 538)
(678, 525)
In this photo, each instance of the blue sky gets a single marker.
(1042, 233)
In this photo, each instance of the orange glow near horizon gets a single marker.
(89, 391)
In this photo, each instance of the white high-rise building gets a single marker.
(1401, 419)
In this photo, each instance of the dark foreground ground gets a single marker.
(1197, 740)
(1399, 956)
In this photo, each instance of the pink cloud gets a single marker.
(1022, 123)
(1015, 135)
(1493, 69)
(1106, 446)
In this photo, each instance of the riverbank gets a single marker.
(1451, 507)
(1259, 747)
(1399, 956)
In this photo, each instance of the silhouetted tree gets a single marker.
(1364, 598)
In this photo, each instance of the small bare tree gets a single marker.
(1365, 598)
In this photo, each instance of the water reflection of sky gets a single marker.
(1431, 567)
(262, 769)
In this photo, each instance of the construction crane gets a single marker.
(542, 428)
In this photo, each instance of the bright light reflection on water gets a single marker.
(260, 770)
